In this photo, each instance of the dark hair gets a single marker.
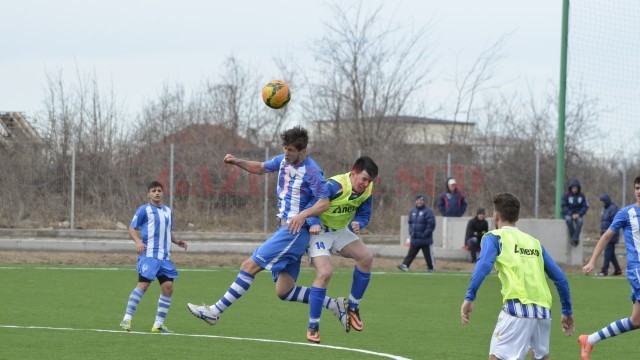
(367, 164)
(296, 136)
(636, 181)
(154, 184)
(507, 205)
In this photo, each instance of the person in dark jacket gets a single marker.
(476, 228)
(574, 206)
(608, 213)
(452, 202)
(422, 222)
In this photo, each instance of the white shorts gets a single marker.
(328, 242)
(513, 336)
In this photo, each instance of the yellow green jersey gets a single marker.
(522, 263)
(343, 208)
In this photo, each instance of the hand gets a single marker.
(296, 223)
(140, 247)
(575, 216)
(567, 324)
(587, 268)
(182, 244)
(355, 226)
(465, 311)
(230, 159)
(315, 229)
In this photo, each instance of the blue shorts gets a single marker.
(633, 277)
(282, 252)
(150, 268)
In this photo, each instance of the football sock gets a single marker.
(316, 299)
(132, 305)
(358, 287)
(240, 286)
(615, 328)
(297, 294)
(163, 307)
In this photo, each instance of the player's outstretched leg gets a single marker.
(211, 314)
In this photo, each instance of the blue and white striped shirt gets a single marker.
(155, 225)
(627, 220)
(299, 186)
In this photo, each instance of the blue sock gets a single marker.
(134, 300)
(297, 294)
(239, 287)
(164, 302)
(316, 298)
(615, 328)
(358, 287)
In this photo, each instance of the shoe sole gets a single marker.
(347, 325)
(352, 324)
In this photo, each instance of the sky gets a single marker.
(134, 47)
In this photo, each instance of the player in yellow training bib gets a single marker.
(521, 261)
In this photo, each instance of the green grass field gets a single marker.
(73, 313)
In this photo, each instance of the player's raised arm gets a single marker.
(253, 167)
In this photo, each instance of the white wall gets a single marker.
(553, 235)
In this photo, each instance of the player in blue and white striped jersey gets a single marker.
(155, 222)
(627, 219)
(302, 195)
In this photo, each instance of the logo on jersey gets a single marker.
(523, 251)
(345, 209)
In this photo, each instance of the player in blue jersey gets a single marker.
(302, 195)
(155, 222)
(628, 220)
(524, 324)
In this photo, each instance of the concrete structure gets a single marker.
(448, 238)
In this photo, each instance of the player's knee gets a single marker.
(324, 276)
(365, 261)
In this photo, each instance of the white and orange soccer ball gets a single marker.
(276, 94)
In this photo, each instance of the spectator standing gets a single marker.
(422, 222)
(452, 202)
(476, 228)
(608, 214)
(574, 207)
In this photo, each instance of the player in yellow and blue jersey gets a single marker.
(302, 193)
(349, 212)
(627, 219)
(521, 261)
(155, 222)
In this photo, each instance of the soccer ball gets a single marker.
(276, 94)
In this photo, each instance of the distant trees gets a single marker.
(364, 77)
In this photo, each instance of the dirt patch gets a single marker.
(182, 259)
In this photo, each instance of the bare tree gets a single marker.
(365, 75)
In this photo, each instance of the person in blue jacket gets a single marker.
(422, 222)
(452, 202)
(574, 207)
(608, 213)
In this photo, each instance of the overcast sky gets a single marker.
(135, 46)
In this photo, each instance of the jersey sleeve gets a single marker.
(619, 221)
(139, 218)
(488, 254)
(334, 188)
(555, 273)
(363, 213)
(273, 164)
